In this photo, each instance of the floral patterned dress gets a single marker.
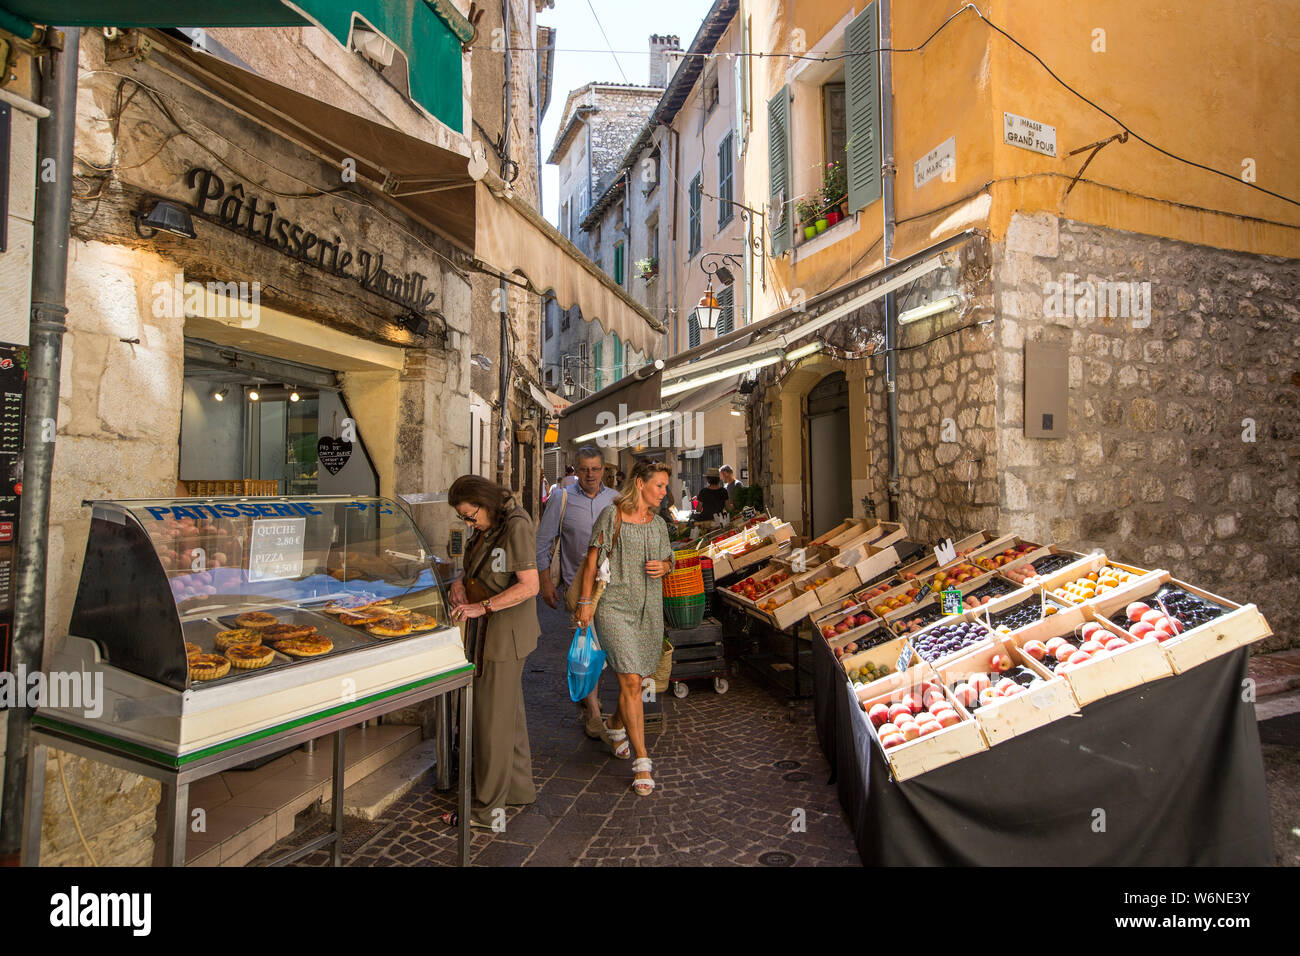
(629, 619)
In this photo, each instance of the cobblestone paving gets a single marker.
(737, 775)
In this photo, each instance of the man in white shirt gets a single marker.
(570, 513)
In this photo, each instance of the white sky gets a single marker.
(628, 24)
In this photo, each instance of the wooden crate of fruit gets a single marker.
(1004, 552)
(1040, 563)
(815, 589)
(905, 594)
(1007, 691)
(1093, 577)
(876, 534)
(921, 727)
(804, 558)
(951, 637)
(893, 658)
(753, 590)
(965, 546)
(1097, 658)
(845, 629)
(1205, 625)
(1032, 604)
(845, 531)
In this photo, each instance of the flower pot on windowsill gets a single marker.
(832, 217)
(809, 231)
(821, 225)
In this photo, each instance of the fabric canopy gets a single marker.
(430, 182)
(512, 237)
(155, 13)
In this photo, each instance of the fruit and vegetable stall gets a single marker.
(1023, 703)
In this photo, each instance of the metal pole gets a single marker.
(58, 78)
(888, 172)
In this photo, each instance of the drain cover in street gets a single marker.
(777, 858)
(787, 765)
(796, 776)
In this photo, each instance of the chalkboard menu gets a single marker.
(13, 389)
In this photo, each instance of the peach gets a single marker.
(1136, 610)
(1001, 663)
(987, 695)
(978, 681)
(965, 693)
(930, 727)
(1080, 657)
(1035, 649)
(1116, 644)
(1054, 643)
(914, 703)
(1065, 651)
(892, 740)
(948, 718)
(910, 730)
(898, 709)
(1152, 616)
(1091, 647)
(931, 697)
(885, 729)
(1089, 629)
(879, 714)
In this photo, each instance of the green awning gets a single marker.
(428, 32)
(425, 36)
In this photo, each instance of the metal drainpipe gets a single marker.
(503, 427)
(58, 78)
(891, 304)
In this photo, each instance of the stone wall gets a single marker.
(1183, 445)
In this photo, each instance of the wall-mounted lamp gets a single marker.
(254, 395)
(165, 216)
(570, 386)
(414, 323)
(930, 308)
(220, 394)
(293, 394)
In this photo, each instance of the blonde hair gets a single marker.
(628, 496)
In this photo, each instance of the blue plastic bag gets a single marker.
(586, 661)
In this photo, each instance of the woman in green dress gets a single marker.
(630, 539)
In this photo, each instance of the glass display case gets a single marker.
(164, 579)
(211, 623)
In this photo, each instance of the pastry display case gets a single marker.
(217, 622)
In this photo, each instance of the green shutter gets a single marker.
(693, 331)
(862, 108)
(618, 267)
(618, 357)
(778, 171)
(596, 361)
(726, 310)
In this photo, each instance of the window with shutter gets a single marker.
(693, 331)
(596, 361)
(725, 165)
(862, 108)
(618, 263)
(618, 358)
(696, 195)
(727, 310)
(778, 171)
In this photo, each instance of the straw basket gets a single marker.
(665, 670)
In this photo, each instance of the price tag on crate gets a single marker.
(952, 600)
(765, 530)
(747, 512)
(849, 558)
(922, 594)
(946, 552)
(904, 658)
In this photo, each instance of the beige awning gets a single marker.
(434, 185)
(512, 237)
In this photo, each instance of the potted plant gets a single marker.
(807, 212)
(647, 269)
(835, 191)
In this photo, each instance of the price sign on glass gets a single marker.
(275, 552)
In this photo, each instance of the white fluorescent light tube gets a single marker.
(688, 384)
(803, 351)
(932, 308)
(626, 425)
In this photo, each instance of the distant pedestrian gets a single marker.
(729, 482)
(619, 477)
(713, 497)
(632, 541)
(568, 519)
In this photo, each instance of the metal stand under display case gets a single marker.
(170, 838)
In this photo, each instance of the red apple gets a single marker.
(1001, 663)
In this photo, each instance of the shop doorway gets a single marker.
(249, 419)
(828, 489)
(694, 469)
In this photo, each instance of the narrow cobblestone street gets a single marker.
(732, 772)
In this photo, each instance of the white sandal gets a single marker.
(617, 740)
(643, 788)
